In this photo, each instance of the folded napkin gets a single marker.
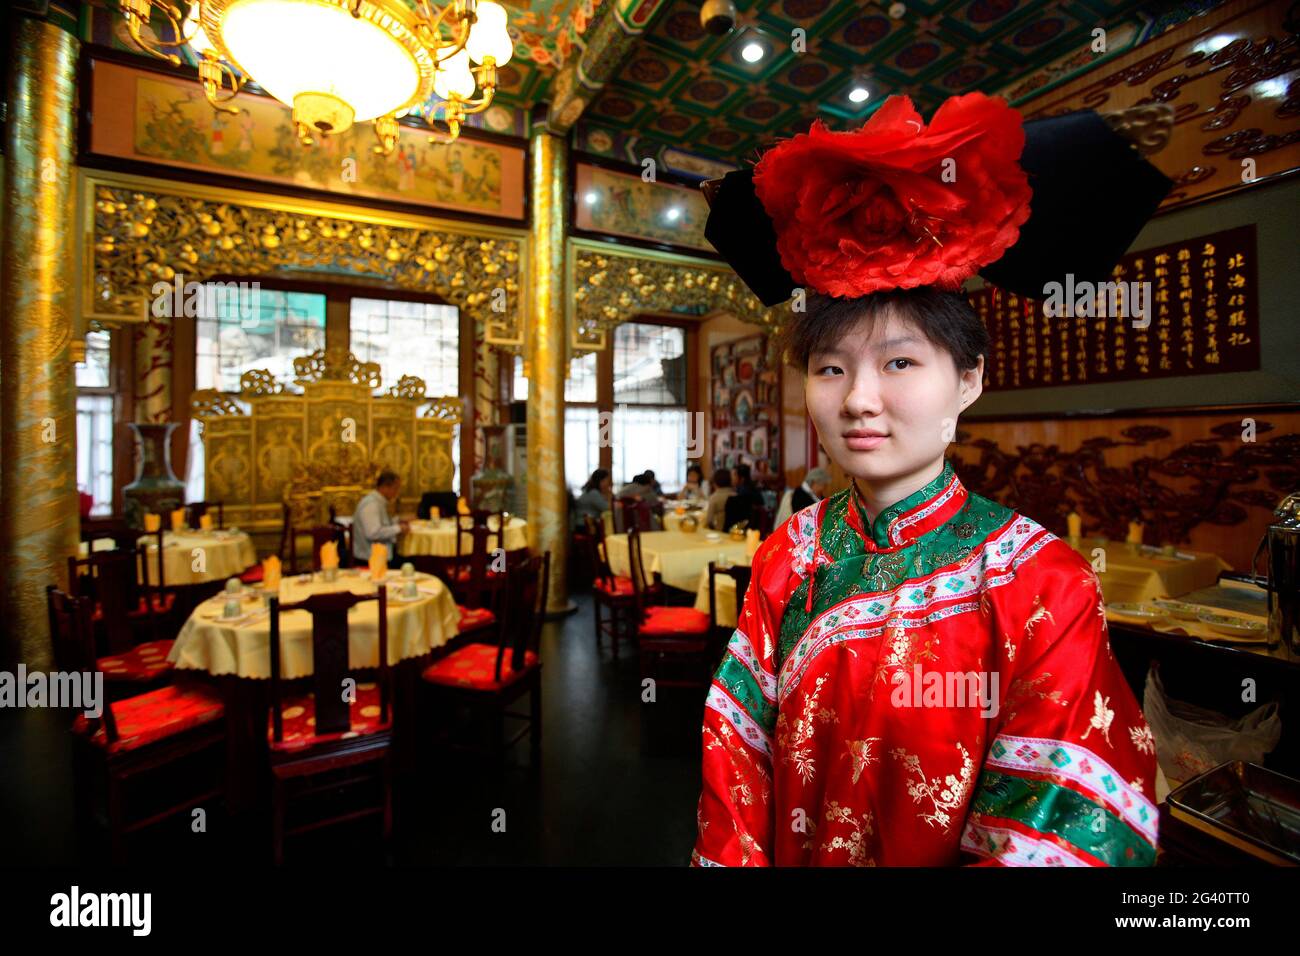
(378, 561)
(205, 522)
(271, 573)
(462, 507)
(178, 519)
(329, 555)
(435, 513)
(152, 523)
(752, 542)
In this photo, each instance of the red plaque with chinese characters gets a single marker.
(1188, 308)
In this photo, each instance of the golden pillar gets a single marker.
(548, 503)
(38, 429)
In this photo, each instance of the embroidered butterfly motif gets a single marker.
(1101, 717)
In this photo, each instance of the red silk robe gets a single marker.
(934, 689)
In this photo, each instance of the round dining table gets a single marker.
(240, 646)
(678, 556)
(193, 557)
(437, 537)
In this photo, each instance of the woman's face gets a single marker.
(885, 400)
(606, 485)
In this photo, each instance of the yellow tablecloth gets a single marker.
(194, 557)
(1134, 576)
(677, 555)
(208, 643)
(438, 537)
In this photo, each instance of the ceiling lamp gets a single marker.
(339, 62)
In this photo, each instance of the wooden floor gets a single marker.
(618, 785)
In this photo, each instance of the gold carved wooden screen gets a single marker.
(322, 445)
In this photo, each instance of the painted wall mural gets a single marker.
(163, 119)
(621, 204)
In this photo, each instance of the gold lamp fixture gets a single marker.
(339, 62)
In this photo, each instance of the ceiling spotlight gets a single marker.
(752, 52)
(718, 16)
(858, 94)
(896, 10)
(673, 213)
(591, 198)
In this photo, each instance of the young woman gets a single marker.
(920, 676)
(594, 500)
(696, 488)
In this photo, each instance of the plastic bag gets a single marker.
(1192, 740)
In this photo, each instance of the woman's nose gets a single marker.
(863, 397)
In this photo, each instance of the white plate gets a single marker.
(1136, 612)
(1179, 609)
(1233, 626)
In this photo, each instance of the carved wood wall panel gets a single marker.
(1192, 479)
(1233, 78)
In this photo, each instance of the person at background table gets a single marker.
(372, 522)
(722, 491)
(653, 482)
(594, 500)
(815, 485)
(696, 488)
(746, 499)
(642, 488)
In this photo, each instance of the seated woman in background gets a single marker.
(716, 514)
(594, 500)
(696, 488)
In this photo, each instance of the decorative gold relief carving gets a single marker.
(258, 382)
(609, 288)
(408, 386)
(336, 364)
(324, 446)
(140, 231)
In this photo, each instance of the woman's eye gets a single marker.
(899, 363)
(830, 370)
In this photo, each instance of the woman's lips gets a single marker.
(862, 441)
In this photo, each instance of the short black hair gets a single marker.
(722, 478)
(386, 477)
(945, 318)
(742, 472)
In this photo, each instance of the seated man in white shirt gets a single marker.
(371, 521)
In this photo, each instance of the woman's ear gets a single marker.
(972, 384)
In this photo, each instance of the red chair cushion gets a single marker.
(461, 575)
(253, 575)
(299, 715)
(663, 621)
(474, 666)
(614, 587)
(162, 604)
(144, 662)
(473, 618)
(159, 714)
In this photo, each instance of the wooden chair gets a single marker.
(349, 742)
(632, 513)
(613, 600)
(740, 574)
(474, 580)
(665, 634)
(135, 737)
(763, 519)
(124, 609)
(110, 526)
(483, 678)
(195, 510)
